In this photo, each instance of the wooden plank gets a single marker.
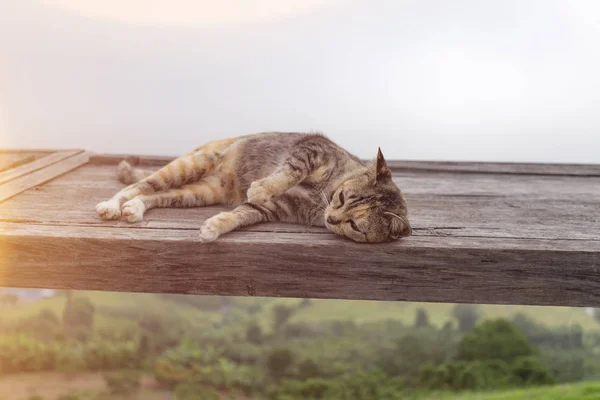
(408, 166)
(40, 176)
(542, 272)
(460, 205)
(10, 161)
(520, 237)
(36, 165)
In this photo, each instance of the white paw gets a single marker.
(208, 233)
(259, 193)
(133, 210)
(108, 210)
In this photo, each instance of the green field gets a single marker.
(578, 391)
(180, 317)
(122, 308)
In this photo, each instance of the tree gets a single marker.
(421, 319)
(254, 333)
(466, 315)
(496, 339)
(281, 314)
(448, 327)
(415, 349)
(78, 317)
(305, 303)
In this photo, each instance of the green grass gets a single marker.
(576, 391)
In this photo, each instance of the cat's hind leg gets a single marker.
(206, 192)
(129, 174)
(186, 169)
(243, 215)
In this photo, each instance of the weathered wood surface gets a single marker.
(66, 161)
(29, 164)
(498, 233)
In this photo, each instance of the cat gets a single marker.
(291, 177)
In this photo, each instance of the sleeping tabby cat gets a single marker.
(290, 177)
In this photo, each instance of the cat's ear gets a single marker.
(382, 172)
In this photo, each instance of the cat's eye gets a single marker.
(354, 226)
(342, 197)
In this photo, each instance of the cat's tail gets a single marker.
(128, 174)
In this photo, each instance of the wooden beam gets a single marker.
(39, 176)
(508, 234)
(474, 270)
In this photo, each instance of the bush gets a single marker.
(122, 382)
(531, 371)
(309, 369)
(45, 326)
(158, 335)
(279, 362)
(242, 353)
(194, 391)
(254, 333)
(23, 354)
(104, 355)
(495, 340)
(415, 349)
(184, 363)
(298, 330)
(565, 365)
(360, 386)
(205, 367)
(460, 375)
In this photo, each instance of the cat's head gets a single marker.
(369, 207)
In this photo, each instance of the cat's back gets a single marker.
(256, 156)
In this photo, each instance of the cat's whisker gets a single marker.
(394, 215)
(325, 197)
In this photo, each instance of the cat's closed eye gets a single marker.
(354, 226)
(341, 197)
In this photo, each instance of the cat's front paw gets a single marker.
(208, 233)
(108, 210)
(259, 193)
(133, 210)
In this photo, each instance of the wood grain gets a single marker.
(39, 176)
(10, 161)
(301, 265)
(509, 234)
(36, 165)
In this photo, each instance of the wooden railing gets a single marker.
(483, 233)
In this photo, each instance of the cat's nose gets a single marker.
(332, 221)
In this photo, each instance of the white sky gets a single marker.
(504, 80)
